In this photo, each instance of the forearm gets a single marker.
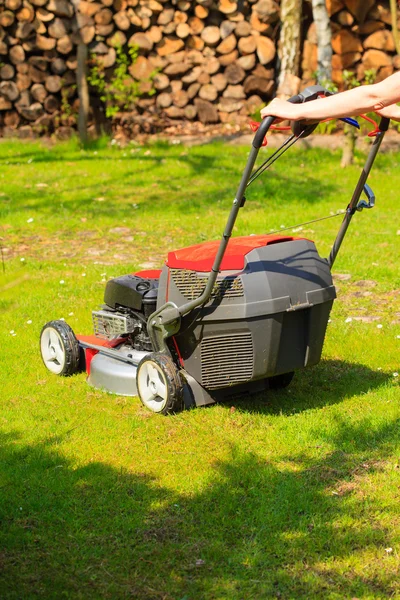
(353, 102)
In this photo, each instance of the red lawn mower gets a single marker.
(220, 318)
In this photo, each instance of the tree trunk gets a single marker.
(289, 48)
(395, 32)
(324, 38)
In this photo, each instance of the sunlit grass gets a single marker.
(291, 495)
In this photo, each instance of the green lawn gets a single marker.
(291, 495)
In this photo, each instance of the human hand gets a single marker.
(390, 112)
(282, 109)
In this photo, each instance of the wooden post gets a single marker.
(83, 91)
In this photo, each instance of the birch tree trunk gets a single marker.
(395, 31)
(324, 38)
(289, 48)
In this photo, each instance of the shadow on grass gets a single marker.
(330, 382)
(204, 179)
(260, 529)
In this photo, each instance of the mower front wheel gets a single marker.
(159, 384)
(60, 349)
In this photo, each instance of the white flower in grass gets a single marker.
(62, 281)
(29, 322)
(12, 331)
(398, 337)
(395, 374)
(83, 274)
(30, 220)
(22, 259)
(348, 320)
(379, 326)
(71, 314)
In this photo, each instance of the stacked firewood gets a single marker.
(213, 59)
(362, 42)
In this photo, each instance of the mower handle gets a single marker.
(268, 121)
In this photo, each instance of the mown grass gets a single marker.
(292, 495)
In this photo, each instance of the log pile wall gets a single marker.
(215, 59)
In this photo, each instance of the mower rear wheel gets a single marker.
(279, 382)
(60, 349)
(159, 384)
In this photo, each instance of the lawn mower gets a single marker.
(220, 318)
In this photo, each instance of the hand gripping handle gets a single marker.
(268, 121)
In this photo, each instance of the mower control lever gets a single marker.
(370, 196)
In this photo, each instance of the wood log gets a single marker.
(161, 81)
(107, 2)
(343, 41)
(211, 35)
(196, 25)
(5, 104)
(64, 45)
(211, 66)
(105, 30)
(344, 61)
(201, 11)
(58, 28)
(227, 45)
(243, 29)
(368, 27)
(267, 11)
(190, 112)
(155, 34)
(345, 18)
(45, 43)
(192, 76)
(39, 27)
(169, 29)
(164, 100)
(51, 104)
(53, 83)
(39, 92)
(166, 16)
(7, 71)
(117, 39)
(226, 28)
(180, 98)
(13, 4)
(176, 85)
(39, 62)
(219, 81)
(87, 34)
(227, 59)
(234, 73)
(183, 5)
(359, 8)
(193, 90)
(38, 2)
(196, 57)
(32, 112)
(258, 25)
(265, 49)
(142, 40)
(103, 16)
(183, 30)
(169, 46)
(61, 8)
(180, 17)
(89, 8)
(380, 13)
(229, 105)
(253, 104)
(380, 40)
(259, 85)
(334, 6)
(248, 45)
(374, 59)
(195, 42)
(29, 45)
(26, 13)
(122, 20)
(22, 68)
(177, 68)
(9, 90)
(206, 111)
(58, 66)
(174, 112)
(23, 82)
(234, 91)
(261, 71)
(11, 119)
(208, 92)
(37, 75)
(204, 78)
(247, 62)
(227, 7)
(6, 18)
(17, 54)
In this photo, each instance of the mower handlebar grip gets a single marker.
(268, 121)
